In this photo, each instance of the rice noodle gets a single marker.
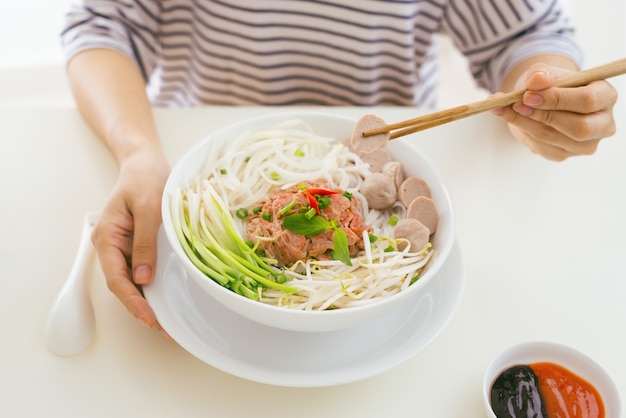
(260, 162)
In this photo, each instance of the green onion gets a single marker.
(223, 171)
(310, 214)
(347, 195)
(266, 216)
(323, 201)
(212, 242)
(393, 220)
(242, 213)
(256, 210)
(275, 176)
(299, 153)
(288, 207)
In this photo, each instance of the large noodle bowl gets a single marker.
(212, 213)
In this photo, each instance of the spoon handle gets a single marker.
(85, 249)
(70, 324)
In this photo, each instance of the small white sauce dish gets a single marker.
(573, 360)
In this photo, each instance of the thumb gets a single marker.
(145, 237)
(540, 77)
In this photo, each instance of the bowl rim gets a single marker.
(273, 118)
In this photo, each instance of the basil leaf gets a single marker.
(341, 252)
(300, 224)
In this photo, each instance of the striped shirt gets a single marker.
(313, 52)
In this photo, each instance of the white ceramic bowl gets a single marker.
(573, 360)
(339, 127)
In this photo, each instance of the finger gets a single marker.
(540, 77)
(133, 300)
(115, 269)
(576, 126)
(548, 151)
(594, 97)
(144, 257)
(540, 133)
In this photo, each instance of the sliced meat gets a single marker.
(411, 188)
(376, 160)
(395, 171)
(414, 231)
(424, 210)
(369, 144)
(288, 247)
(379, 191)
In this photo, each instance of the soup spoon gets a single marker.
(71, 321)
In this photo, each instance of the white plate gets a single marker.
(243, 348)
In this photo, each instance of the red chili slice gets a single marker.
(310, 195)
(321, 192)
(312, 202)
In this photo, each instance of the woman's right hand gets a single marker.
(125, 237)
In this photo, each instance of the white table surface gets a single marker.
(544, 248)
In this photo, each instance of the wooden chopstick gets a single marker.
(431, 120)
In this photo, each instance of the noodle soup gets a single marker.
(209, 206)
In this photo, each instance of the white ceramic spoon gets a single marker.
(71, 321)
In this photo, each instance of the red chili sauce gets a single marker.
(544, 390)
(566, 394)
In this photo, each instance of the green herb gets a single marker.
(266, 216)
(347, 195)
(302, 225)
(372, 237)
(256, 210)
(299, 153)
(246, 159)
(323, 201)
(275, 176)
(341, 251)
(393, 220)
(223, 171)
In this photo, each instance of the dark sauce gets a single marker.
(544, 390)
(515, 394)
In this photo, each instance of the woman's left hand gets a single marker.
(558, 123)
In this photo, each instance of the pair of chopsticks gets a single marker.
(431, 120)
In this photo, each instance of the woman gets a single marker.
(124, 57)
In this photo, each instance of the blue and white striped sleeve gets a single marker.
(127, 26)
(495, 36)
